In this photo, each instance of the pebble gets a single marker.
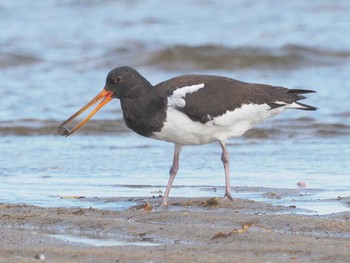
(302, 184)
(40, 257)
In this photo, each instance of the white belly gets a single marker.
(180, 129)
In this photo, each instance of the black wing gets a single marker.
(221, 94)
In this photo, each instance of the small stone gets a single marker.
(302, 184)
(40, 257)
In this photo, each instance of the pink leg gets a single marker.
(225, 158)
(173, 171)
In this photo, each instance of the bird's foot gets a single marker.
(228, 196)
(163, 204)
(162, 207)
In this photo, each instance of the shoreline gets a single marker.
(190, 229)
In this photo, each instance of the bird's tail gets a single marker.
(305, 106)
(298, 105)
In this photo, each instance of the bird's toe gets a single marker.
(228, 196)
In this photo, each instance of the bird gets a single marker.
(191, 110)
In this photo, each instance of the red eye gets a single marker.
(118, 79)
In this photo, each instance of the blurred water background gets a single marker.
(54, 57)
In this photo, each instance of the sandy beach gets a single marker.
(189, 230)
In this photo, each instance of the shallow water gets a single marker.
(55, 56)
(83, 240)
(49, 170)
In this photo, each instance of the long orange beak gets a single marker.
(104, 95)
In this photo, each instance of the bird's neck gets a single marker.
(144, 114)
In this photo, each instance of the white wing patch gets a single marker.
(177, 99)
(280, 103)
(294, 105)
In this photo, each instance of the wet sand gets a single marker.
(189, 230)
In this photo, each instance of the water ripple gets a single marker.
(205, 57)
(303, 126)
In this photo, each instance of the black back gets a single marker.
(221, 94)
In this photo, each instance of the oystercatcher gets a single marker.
(191, 109)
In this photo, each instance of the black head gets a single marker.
(125, 82)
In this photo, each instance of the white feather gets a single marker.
(294, 106)
(180, 129)
(177, 98)
(280, 102)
